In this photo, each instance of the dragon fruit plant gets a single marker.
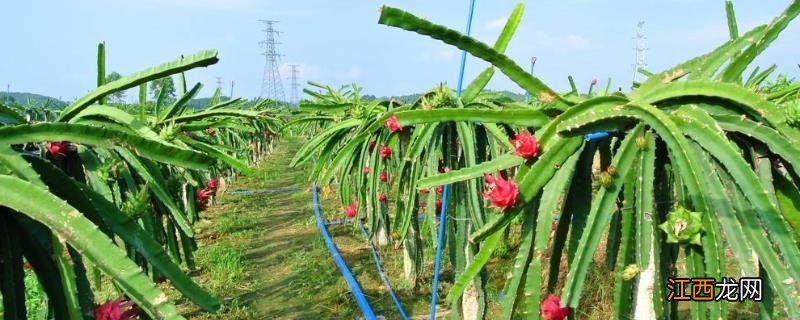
(701, 161)
(111, 192)
(409, 143)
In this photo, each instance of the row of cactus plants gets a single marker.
(98, 189)
(701, 160)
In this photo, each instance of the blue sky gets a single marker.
(50, 45)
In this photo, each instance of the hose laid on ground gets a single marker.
(384, 278)
(355, 289)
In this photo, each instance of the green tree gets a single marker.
(118, 96)
(166, 84)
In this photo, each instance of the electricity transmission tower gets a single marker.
(640, 49)
(528, 94)
(271, 86)
(294, 99)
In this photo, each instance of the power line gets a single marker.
(271, 86)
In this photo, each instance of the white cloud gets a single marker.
(495, 24)
(574, 41)
(447, 54)
(304, 72)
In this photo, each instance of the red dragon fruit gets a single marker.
(115, 310)
(525, 145)
(393, 125)
(201, 197)
(58, 148)
(351, 210)
(500, 192)
(385, 152)
(552, 309)
(212, 184)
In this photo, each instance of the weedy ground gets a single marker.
(263, 256)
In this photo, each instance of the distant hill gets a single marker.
(410, 98)
(198, 103)
(24, 98)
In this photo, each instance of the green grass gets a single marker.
(232, 223)
(34, 297)
(311, 271)
(224, 267)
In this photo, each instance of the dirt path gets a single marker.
(261, 252)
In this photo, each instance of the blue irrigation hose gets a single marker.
(384, 278)
(355, 289)
(437, 264)
(602, 135)
(596, 136)
(443, 213)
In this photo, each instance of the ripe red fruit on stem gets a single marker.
(500, 192)
(438, 206)
(385, 151)
(383, 176)
(212, 184)
(525, 145)
(58, 148)
(203, 194)
(351, 210)
(382, 197)
(201, 197)
(371, 145)
(115, 310)
(552, 309)
(392, 124)
(439, 190)
(366, 170)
